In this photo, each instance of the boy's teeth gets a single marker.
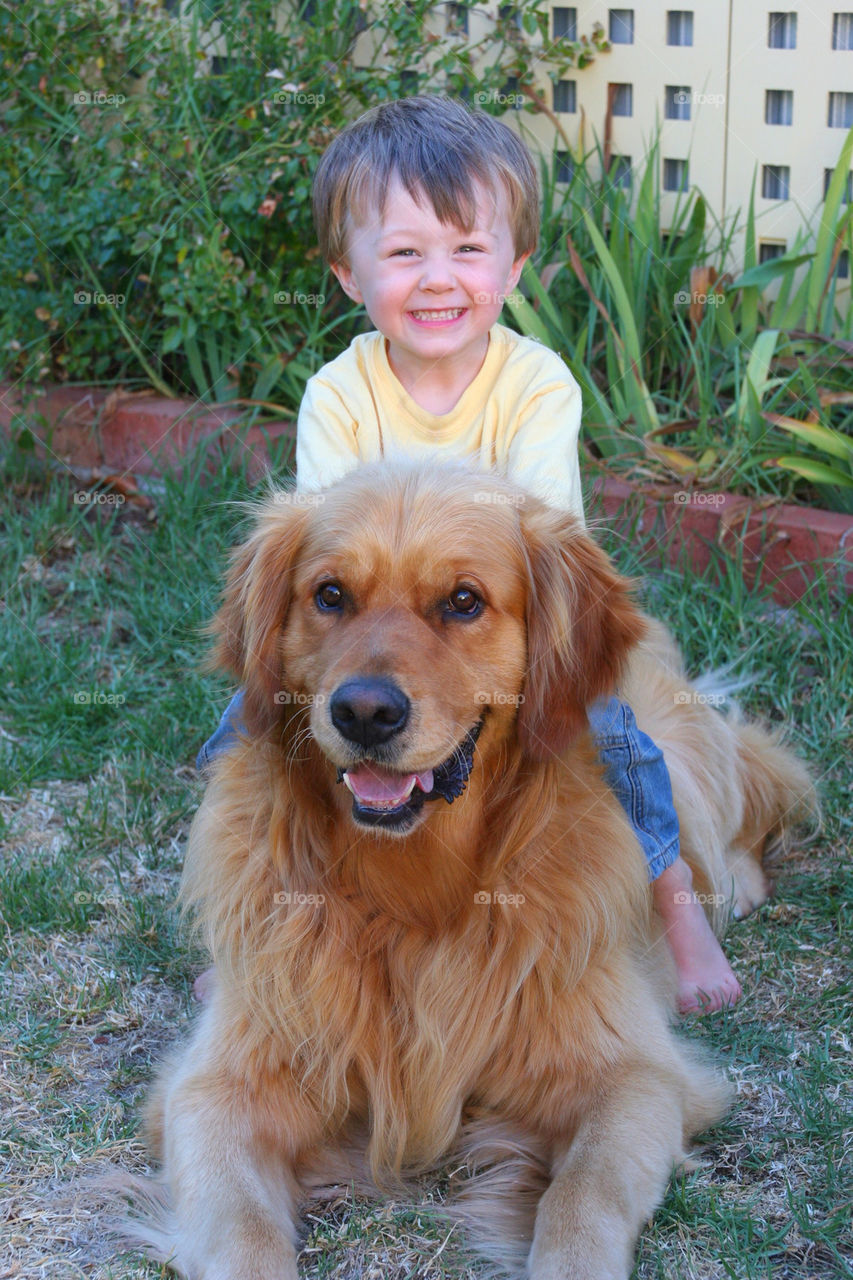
(438, 315)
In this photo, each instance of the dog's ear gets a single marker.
(256, 600)
(581, 625)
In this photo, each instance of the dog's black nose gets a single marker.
(369, 710)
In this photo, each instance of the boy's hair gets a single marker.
(437, 148)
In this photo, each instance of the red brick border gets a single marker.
(780, 546)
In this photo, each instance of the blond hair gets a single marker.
(438, 148)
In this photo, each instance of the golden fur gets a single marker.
(488, 986)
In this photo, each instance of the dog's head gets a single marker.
(401, 613)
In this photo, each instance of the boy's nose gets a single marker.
(437, 274)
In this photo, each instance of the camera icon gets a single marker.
(282, 298)
(682, 498)
(682, 898)
(82, 298)
(282, 899)
(82, 99)
(682, 298)
(482, 898)
(681, 98)
(81, 896)
(282, 698)
(82, 697)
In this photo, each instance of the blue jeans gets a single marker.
(635, 772)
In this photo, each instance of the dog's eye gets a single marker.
(329, 596)
(464, 601)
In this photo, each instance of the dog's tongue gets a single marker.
(373, 785)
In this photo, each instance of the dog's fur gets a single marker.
(485, 983)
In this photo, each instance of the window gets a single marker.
(457, 19)
(782, 31)
(621, 99)
(679, 26)
(509, 13)
(769, 249)
(566, 95)
(565, 166)
(620, 171)
(621, 26)
(842, 31)
(840, 110)
(779, 106)
(409, 83)
(842, 271)
(676, 102)
(509, 95)
(565, 24)
(776, 181)
(847, 194)
(675, 175)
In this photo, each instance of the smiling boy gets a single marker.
(426, 212)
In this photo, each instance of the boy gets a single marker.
(426, 212)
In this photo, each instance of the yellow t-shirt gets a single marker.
(520, 417)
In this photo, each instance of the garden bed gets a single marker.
(113, 434)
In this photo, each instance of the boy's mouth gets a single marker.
(443, 316)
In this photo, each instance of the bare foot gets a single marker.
(203, 985)
(706, 982)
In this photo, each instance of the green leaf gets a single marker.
(825, 439)
(818, 472)
(761, 275)
(827, 233)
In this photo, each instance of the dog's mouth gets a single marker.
(384, 797)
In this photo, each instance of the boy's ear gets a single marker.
(515, 273)
(345, 278)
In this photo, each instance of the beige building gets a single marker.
(738, 90)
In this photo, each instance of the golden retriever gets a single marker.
(428, 915)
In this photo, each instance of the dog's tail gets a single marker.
(780, 797)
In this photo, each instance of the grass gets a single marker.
(96, 794)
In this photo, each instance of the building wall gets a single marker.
(726, 74)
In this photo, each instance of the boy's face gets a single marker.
(432, 289)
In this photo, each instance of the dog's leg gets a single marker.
(228, 1148)
(610, 1179)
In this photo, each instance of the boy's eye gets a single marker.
(403, 253)
(470, 248)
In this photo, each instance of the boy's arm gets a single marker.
(543, 455)
(326, 444)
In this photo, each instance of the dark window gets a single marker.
(847, 194)
(565, 24)
(565, 166)
(769, 249)
(622, 99)
(620, 171)
(675, 175)
(782, 31)
(840, 110)
(776, 182)
(676, 102)
(779, 106)
(621, 26)
(566, 95)
(679, 26)
(842, 31)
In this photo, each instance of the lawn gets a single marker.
(102, 615)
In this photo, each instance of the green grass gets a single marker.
(95, 800)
